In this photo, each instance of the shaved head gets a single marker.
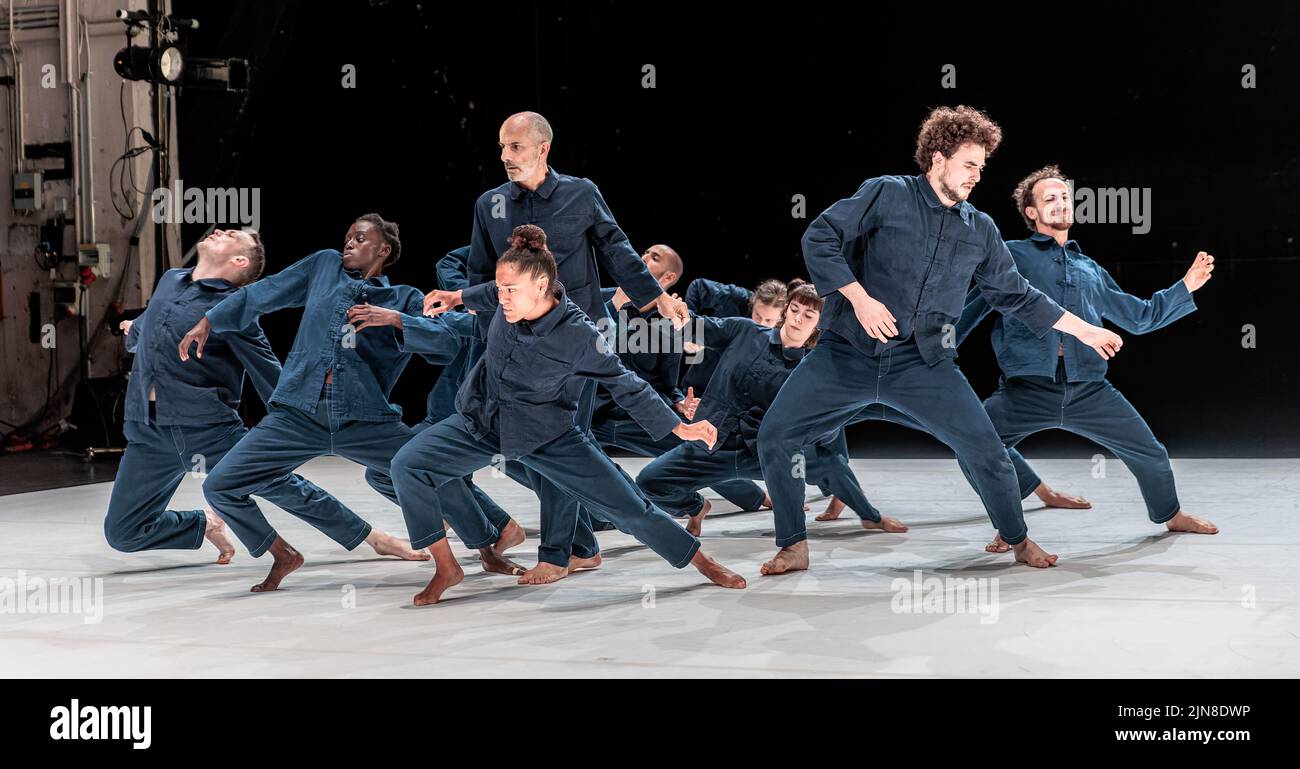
(664, 263)
(671, 258)
(537, 126)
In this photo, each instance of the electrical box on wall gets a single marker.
(67, 299)
(29, 194)
(97, 257)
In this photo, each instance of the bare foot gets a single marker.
(287, 560)
(997, 545)
(543, 574)
(387, 544)
(792, 558)
(584, 564)
(447, 574)
(512, 535)
(695, 523)
(1030, 553)
(716, 572)
(1192, 524)
(1053, 498)
(833, 511)
(496, 563)
(215, 531)
(886, 523)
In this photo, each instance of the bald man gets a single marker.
(583, 235)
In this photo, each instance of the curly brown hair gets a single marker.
(1024, 192)
(947, 128)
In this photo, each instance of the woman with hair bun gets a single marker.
(519, 403)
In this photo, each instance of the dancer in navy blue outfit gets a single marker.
(333, 395)
(182, 416)
(895, 261)
(1056, 382)
(519, 402)
(753, 363)
(584, 237)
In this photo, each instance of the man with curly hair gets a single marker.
(894, 262)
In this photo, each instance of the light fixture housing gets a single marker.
(163, 65)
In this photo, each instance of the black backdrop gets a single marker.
(751, 107)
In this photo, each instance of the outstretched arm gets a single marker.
(1141, 316)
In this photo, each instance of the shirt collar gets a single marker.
(792, 353)
(378, 280)
(547, 323)
(1044, 239)
(547, 187)
(964, 209)
(215, 284)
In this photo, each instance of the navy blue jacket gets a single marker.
(648, 346)
(531, 375)
(1081, 286)
(917, 257)
(718, 300)
(366, 363)
(752, 365)
(580, 232)
(203, 390)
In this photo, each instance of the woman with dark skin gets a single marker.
(332, 397)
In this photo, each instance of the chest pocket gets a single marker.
(765, 376)
(537, 373)
(966, 256)
(566, 236)
(1090, 288)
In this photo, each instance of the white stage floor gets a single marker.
(1127, 599)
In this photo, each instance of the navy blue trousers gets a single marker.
(1097, 411)
(572, 463)
(673, 480)
(623, 432)
(285, 439)
(834, 382)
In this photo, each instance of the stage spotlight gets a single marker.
(159, 65)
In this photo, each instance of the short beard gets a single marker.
(950, 193)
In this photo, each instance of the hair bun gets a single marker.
(528, 236)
